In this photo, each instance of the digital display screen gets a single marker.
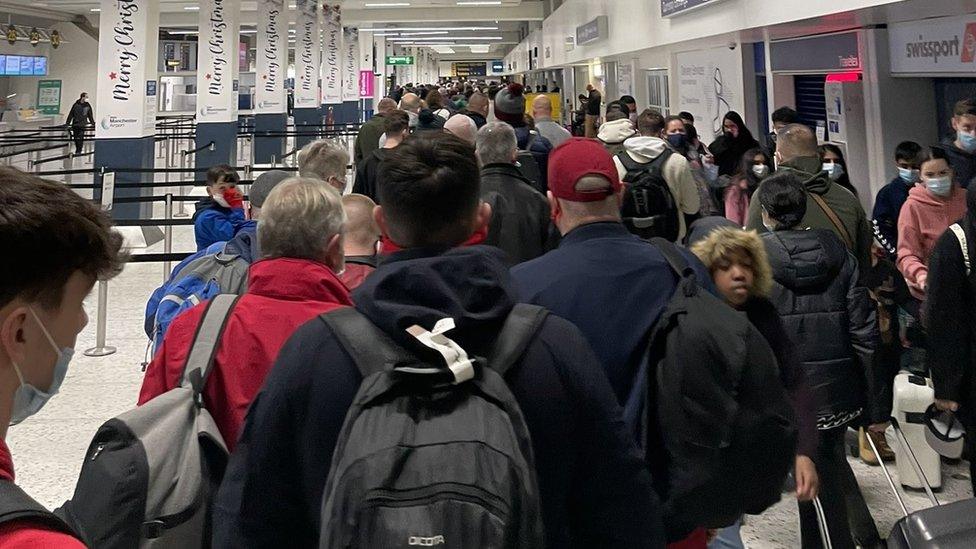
(13, 65)
(23, 65)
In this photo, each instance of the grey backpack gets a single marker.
(150, 474)
(431, 456)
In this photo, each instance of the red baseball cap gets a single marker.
(576, 158)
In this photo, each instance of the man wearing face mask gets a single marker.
(891, 197)
(961, 148)
(80, 117)
(829, 206)
(219, 216)
(41, 314)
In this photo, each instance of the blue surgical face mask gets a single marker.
(967, 140)
(908, 175)
(834, 170)
(760, 170)
(940, 186)
(28, 400)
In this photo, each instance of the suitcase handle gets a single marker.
(822, 524)
(903, 441)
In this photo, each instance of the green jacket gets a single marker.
(368, 139)
(845, 205)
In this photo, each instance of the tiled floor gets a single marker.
(48, 448)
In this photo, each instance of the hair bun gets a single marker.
(516, 89)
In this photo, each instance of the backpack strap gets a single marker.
(520, 328)
(676, 261)
(833, 219)
(199, 362)
(370, 348)
(16, 505)
(529, 141)
(963, 245)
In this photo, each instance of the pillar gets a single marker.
(271, 100)
(126, 95)
(217, 81)
(307, 46)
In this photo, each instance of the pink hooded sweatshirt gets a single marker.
(922, 221)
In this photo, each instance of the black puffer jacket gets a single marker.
(830, 318)
(519, 213)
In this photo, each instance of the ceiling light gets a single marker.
(191, 8)
(183, 32)
(479, 48)
(436, 38)
(249, 32)
(480, 3)
(402, 29)
(95, 10)
(424, 33)
(386, 4)
(387, 34)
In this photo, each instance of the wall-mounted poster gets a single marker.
(709, 84)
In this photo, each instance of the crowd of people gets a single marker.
(516, 285)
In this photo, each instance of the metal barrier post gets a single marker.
(182, 212)
(168, 237)
(69, 164)
(100, 349)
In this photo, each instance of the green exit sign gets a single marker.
(399, 60)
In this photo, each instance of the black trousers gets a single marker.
(78, 134)
(847, 515)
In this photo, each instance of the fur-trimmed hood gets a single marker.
(724, 241)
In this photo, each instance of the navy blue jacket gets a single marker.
(963, 163)
(594, 487)
(887, 207)
(612, 285)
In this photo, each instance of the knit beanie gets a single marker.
(510, 105)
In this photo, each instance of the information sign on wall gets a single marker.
(709, 86)
(676, 7)
(592, 31)
(465, 69)
(824, 53)
(399, 60)
(946, 45)
(497, 66)
(366, 86)
(49, 96)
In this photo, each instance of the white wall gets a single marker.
(74, 63)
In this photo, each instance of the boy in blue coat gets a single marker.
(221, 214)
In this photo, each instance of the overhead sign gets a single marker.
(676, 7)
(709, 86)
(366, 86)
(946, 45)
(592, 31)
(272, 58)
(49, 96)
(306, 54)
(217, 60)
(399, 60)
(823, 53)
(497, 66)
(465, 69)
(127, 58)
(331, 55)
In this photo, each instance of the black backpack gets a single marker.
(710, 394)
(16, 505)
(649, 209)
(428, 455)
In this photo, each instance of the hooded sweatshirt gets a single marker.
(594, 487)
(963, 162)
(923, 219)
(613, 134)
(844, 204)
(677, 173)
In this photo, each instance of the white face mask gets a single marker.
(760, 170)
(220, 200)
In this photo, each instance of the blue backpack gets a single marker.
(157, 296)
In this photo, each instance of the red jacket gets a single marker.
(282, 295)
(22, 534)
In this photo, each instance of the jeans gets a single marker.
(848, 518)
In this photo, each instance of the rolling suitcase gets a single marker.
(912, 395)
(950, 526)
